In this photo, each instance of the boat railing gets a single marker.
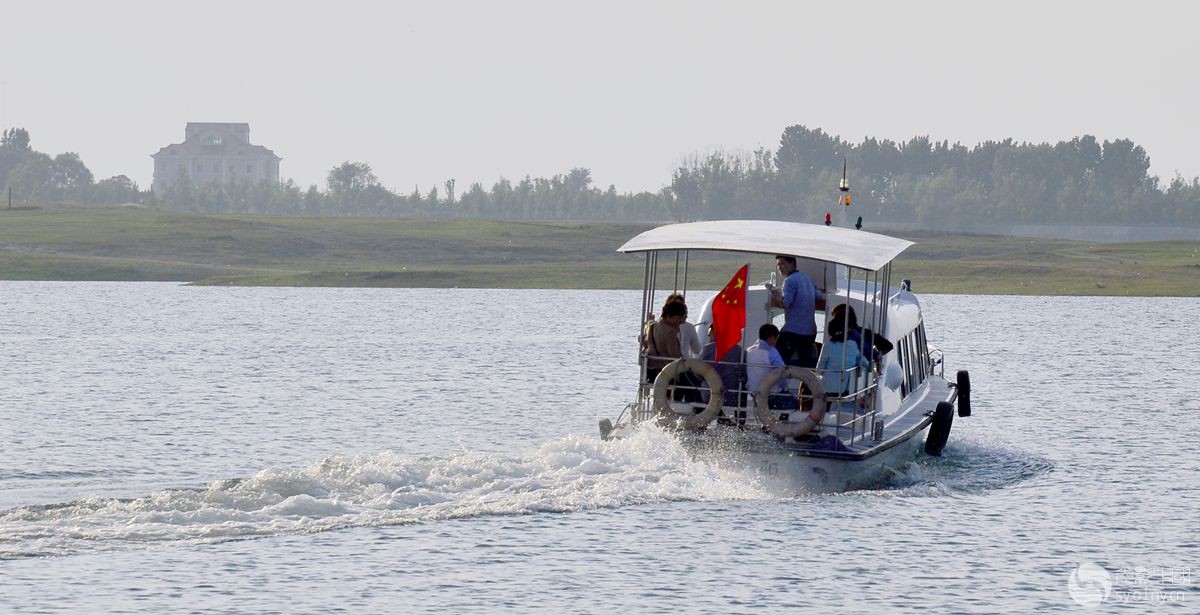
(937, 360)
(853, 412)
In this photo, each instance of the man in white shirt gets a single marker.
(761, 359)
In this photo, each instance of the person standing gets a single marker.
(799, 299)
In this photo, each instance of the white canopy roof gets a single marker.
(832, 244)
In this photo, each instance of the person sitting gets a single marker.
(761, 359)
(662, 339)
(839, 363)
(663, 347)
(863, 338)
(689, 341)
(731, 367)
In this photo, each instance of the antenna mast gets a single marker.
(844, 198)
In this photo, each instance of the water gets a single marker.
(177, 449)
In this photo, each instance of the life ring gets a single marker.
(673, 370)
(770, 421)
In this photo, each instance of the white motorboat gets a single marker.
(829, 440)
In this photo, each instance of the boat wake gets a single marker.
(569, 474)
(968, 465)
(573, 473)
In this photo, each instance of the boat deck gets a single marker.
(915, 415)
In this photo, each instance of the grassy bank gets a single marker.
(140, 244)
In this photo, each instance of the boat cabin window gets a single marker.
(922, 353)
(913, 355)
(913, 380)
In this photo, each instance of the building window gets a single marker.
(248, 169)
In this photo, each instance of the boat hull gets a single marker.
(813, 466)
(792, 472)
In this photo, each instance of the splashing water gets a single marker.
(568, 474)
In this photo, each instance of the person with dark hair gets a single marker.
(840, 362)
(662, 339)
(689, 341)
(868, 343)
(799, 299)
(761, 359)
(662, 347)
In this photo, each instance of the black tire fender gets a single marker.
(964, 392)
(939, 429)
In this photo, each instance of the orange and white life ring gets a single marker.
(676, 368)
(771, 421)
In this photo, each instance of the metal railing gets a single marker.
(939, 362)
(853, 412)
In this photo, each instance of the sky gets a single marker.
(474, 91)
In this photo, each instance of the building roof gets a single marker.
(224, 140)
(831, 244)
(224, 149)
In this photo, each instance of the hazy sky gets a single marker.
(478, 90)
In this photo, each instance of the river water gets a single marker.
(180, 449)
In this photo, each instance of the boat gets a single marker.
(901, 406)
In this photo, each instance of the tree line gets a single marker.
(39, 179)
(938, 184)
(928, 183)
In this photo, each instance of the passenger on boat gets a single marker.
(838, 358)
(799, 299)
(731, 367)
(840, 314)
(761, 359)
(689, 341)
(662, 339)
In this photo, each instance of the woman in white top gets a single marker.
(689, 340)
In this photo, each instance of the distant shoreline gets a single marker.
(133, 244)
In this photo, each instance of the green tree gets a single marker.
(350, 178)
(70, 179)
(15, 138)
(30, 181)
(115, 191)
(14, 147)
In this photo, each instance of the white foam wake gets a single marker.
(971, 464)
(569, 474)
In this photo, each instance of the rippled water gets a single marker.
(169, 448)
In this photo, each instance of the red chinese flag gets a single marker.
(729, 312)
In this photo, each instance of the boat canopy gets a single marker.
(832, 244)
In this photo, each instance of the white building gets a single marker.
(214, 152)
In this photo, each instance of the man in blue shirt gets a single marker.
(799, 299)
